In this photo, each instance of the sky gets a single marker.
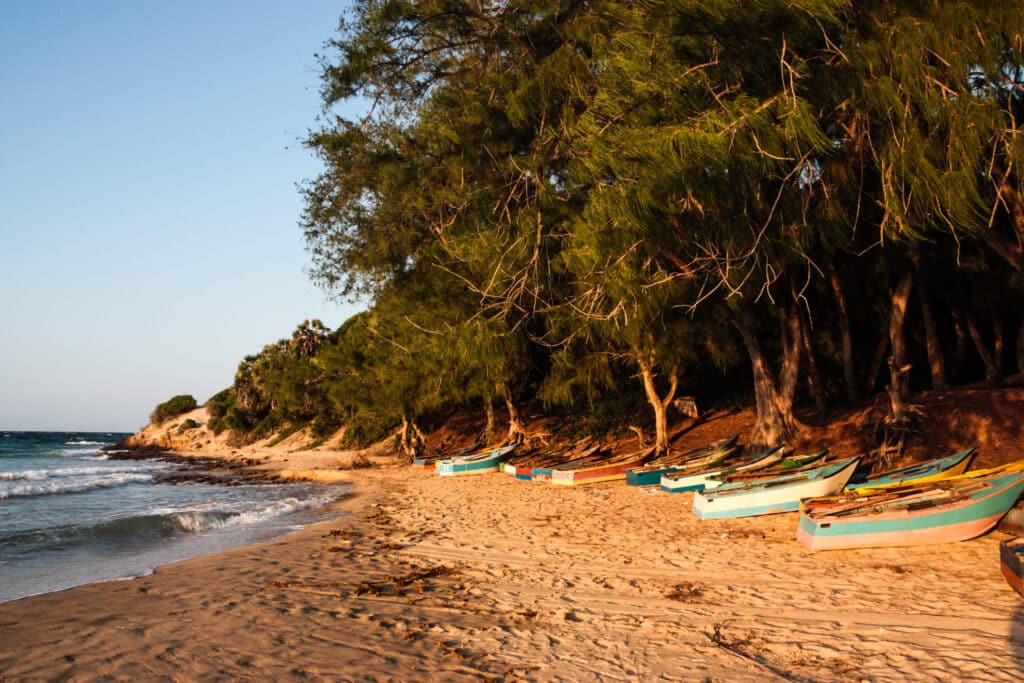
(149, 215)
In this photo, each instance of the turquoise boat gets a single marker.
(774, 494)
(475, 463)
(923, 471)
(697, 479)
(937, 512)
(650, 473)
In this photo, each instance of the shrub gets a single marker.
(187, 425)
(365, 429)
(177, 405)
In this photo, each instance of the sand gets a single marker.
(491, 578)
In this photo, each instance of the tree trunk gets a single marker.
(516, 430)
(876, 364)
(410, 441)
(897, 401)
(992, 374)
(775, 424)
(897, 316)
(846, 339)
(1020, 351)
(997, 350)
(660, 405)
(488, 435)
(814, 383)
(936, 361)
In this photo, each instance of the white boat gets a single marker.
(775, 494)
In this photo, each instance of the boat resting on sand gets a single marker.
(781, 493)
(429, 462)
(1011, 562)
(523, 469)
(935, 512)
(696, 479)
(930, 470)
(650, 473)
(475, 463)
(790, 465)
(543, 472)
(610, 468)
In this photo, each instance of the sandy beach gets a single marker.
(491, 578)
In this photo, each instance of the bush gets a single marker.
(177, 405)
(187, 425)
(366, 429)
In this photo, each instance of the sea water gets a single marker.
(71, 515)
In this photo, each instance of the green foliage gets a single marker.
(366, 429)
(187, 425)
(565, 198)
(175, 405)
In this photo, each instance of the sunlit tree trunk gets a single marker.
(658, 404)
(516, 430)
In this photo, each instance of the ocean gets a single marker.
(70, 515)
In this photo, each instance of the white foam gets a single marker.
(61, 472)
(85, 443)
(77, 485)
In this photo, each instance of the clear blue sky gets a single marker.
(149, 232)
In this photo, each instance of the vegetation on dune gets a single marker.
(569, 201)
(172, 407)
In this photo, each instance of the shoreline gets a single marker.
(491, 578)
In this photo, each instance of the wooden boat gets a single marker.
(787, 465)
(429, 462)
(649, 474)
(1013, 522)
(544, 471)
(475, 463)
(1011, 562)
(781, 493)
(939, 468)
(935, 512)
(523, 468)
(696, 479)
(609, 468)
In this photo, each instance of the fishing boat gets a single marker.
(695, 479)
(787, 465)
(609, 468)
(523, 468)
(781, 493)
(930, 470)
(650, 473)
(429, 462)
(475, 463)
(935, 512)
(543, 472)
(1011, 562)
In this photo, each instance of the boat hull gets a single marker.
(953, 521)
(1011, 563)
(477, 463)
(593, 475)
(934, 470)
(777, 497)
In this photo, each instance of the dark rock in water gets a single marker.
(227, 472)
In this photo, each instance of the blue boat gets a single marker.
(921, 472)
(475, 463)
(650, 473)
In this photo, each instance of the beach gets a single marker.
(491, 578)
